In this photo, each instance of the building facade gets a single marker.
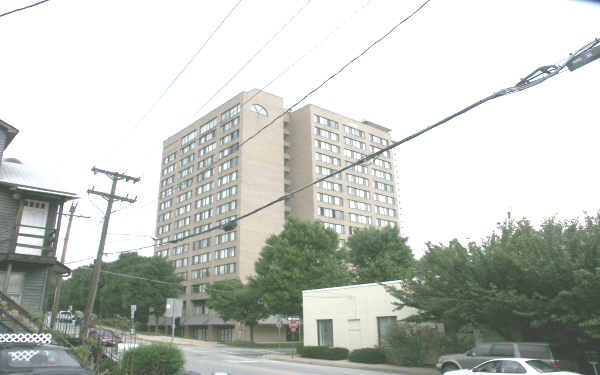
(352, 317)
(210, 175)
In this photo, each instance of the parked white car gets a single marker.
(512, 366)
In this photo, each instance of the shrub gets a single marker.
(153, 359)
(420, 344)
(323, 352)
(368, 355)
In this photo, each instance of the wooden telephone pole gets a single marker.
(59, 277)
(110, 198)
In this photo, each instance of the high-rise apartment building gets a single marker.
(207, 179)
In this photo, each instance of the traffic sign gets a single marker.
(293, 325)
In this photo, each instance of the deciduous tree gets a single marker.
(524, 283)
(379, 255)
(235, 301)
(303, 256)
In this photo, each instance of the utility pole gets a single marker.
(59, 277)
(110, 198)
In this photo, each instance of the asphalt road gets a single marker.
(242, 361)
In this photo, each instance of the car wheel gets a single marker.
(449, 367)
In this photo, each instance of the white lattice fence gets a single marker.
(28, 338)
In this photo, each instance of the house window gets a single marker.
(32, 229)
(16, 285)
(384, 324)
(325, 332)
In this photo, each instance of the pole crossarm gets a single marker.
(108, 196)
(116, 175)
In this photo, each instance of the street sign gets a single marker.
(174, 308)
(293, 325)
(133, 310)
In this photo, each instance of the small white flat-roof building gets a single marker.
(352, 317)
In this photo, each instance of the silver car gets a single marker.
(486, 351)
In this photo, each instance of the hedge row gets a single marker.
(367, 355)
(323, 352)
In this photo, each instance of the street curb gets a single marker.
(355, 365)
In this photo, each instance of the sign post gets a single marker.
(173, 310)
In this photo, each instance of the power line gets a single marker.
(153, 201)
(131, 276)
(186, 66)
(28, 6)
(538, 76)
(336, 73)
(309, 51)
(253, 57)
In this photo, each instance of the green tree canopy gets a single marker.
(523, 283)
(379, 255)
(116, 293)
(303, 256)
(235, 301)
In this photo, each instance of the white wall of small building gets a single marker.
(353, 310)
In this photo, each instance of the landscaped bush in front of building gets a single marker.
(323, 352)
(367, 355)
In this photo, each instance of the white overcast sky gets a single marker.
(76, 76)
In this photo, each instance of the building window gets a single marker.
(325, 121)
(353, 154)
(259, 109)
(331, 199)
(202, 258)
(385, 223)
(230, 137)
(201, 244)
(354, 131)
(199, 288)
(206, 149)
(327, 146)
(188, 138)
(327, 159)
(199, 274)
(384, 187)
(228, 151)
(355, 143)
(225, 237)
(199, 306)
(361, 219)
(337, 228)
(223, 180)
(329, 212)
(327, 185)
(225, 253)
(325, 332)
(209, 125)
(359, 205)
(224, 269)
(384, 324)
(169, 158)
(208, 137)
(206, 162)
(230, 124)
(230, 113)
(327, 134)
(319, 169)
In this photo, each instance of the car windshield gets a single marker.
(541, 366)
(24, 357)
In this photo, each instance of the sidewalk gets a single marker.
(166, 339)
(356, 365)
